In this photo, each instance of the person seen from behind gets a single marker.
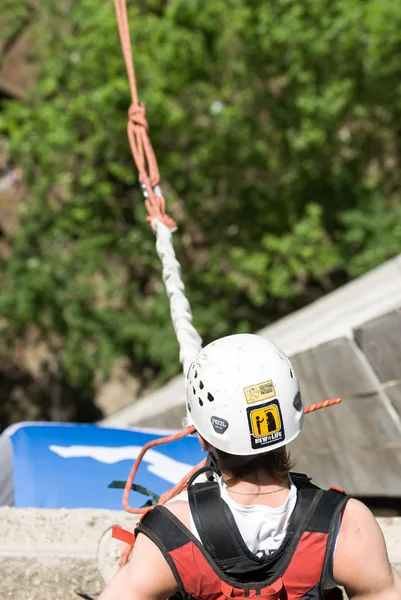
(249, 527)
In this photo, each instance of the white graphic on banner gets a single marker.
(159, 464)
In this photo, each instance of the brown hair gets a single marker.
(277, 463)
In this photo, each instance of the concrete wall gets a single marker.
(48, 554)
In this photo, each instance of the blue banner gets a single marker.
(71, 466)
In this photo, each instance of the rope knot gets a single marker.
(137, 115)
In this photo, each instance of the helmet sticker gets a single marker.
(265, 424)
(219, 425)
(259, 391)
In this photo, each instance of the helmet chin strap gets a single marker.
(213, 463)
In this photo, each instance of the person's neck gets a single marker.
(259, 479)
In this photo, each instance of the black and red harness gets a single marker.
(222, 567)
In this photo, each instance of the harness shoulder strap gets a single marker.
(164, 529)
(168, 534)
(337, 499)
(326, 512)
(213, 522)
(324, 519)
(223, 542)
(302, 481)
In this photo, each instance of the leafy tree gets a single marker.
(276, 126)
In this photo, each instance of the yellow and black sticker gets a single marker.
(259, 392)
(265, 424)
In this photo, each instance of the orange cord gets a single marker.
(170, 493)
(319, 405)
(167, 495)
(137, 130)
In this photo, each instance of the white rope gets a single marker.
(189, 341)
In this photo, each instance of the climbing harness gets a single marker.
(300, 568)
(190, 343)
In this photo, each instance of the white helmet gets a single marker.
(243, 396)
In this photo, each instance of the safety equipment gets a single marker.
(243, 396)
(222, 567)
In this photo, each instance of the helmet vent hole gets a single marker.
(210, 397)
(200, 402)
(201, 386)
(193, 391)
(196, 374)
(189, 407)
(291, 374)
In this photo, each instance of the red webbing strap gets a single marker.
(118, 533)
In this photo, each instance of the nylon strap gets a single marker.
(222, 540)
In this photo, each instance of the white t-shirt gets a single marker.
(262, 528)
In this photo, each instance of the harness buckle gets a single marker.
(271, 592)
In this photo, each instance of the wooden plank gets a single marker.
(380, 340)
(362, 420)
(357, 444)
(360, 474)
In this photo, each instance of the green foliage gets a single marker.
(276, 126)
(283, 264)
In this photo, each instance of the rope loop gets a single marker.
(137, 115)
(155, 205)
(137, 129)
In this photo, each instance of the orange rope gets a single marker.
(164, 498)
(319, 405)
(167, 495)
(137, 130)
